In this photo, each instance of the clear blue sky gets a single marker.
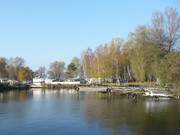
(42, 31)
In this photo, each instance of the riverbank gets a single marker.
(130, 90)
(18, 86)
(153, 92)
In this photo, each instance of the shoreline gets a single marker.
(153, 92)
(8, 87)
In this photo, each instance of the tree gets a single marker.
(165, 33)
(165, 29)
(157, 30)
(16, 62)
(175, 69)
(109, 59)
(76, 62)
(25, 74)
(88, 62)
(71, 71)
(3, 64)
(137, 56)
(56, 70)
(105, 62)
(14, 65)
(169, 69)
(12, 72)
(41, 72)
(145, 55)
(172, 28)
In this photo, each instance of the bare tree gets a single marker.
(41, 72)
(165, 29)
(56, 70)
(172, 28)
(157, 29)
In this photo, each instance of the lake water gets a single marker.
(38, 112)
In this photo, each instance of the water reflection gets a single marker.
(15, 96)
(121, 116)
(69, 112)
(152, 107)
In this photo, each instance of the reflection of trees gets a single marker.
(125, 117)
(15, 96)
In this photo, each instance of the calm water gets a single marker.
(57, 113)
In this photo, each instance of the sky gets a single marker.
(42, 31)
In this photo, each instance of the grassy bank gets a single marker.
(133, 84)
(59, 86)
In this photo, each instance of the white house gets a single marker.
(37, 82)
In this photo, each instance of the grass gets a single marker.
(135, 84)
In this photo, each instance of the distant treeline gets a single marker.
(150, 53)
(15, 69)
